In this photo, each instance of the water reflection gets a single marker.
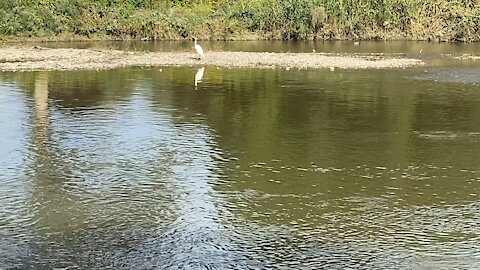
(41, 99)
(411, 48)
(14, 189)
(197, 232)
(451, 75)
(199, 76)
(275, 169)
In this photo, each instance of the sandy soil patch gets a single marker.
(36, 58)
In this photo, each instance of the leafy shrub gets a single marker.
(287, 19)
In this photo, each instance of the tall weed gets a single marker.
(457, 20)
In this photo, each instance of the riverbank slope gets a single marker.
(439, 20)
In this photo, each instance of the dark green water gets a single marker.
(253, 169)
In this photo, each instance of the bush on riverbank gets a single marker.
(457, 20)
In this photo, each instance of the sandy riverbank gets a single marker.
(24, 58)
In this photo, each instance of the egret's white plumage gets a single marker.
(198, 48)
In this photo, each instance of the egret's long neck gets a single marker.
(195, 42)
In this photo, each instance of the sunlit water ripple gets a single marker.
(284, 170)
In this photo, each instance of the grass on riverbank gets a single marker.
(457, 20)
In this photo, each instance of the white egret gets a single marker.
(198, 48)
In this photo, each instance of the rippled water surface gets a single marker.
(240, 169)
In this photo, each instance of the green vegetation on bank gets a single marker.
(456, 20)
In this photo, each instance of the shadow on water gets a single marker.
(133, 168)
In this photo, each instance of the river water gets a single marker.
(208, 168)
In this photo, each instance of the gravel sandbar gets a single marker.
(37, 58)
